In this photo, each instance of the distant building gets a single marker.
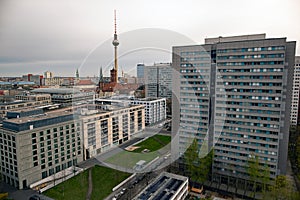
(296, 88)
(37, 79)
(45, 98)
(54, 81)
(5, 85)
(166, 186)
(158, 80)
(24, 101)
(48, 74)
(140, 70)
(85, 85)
(65, 96)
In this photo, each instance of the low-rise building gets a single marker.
(24, 101)
(166, 186)
(65, 96)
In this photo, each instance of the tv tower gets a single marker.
(115, 42)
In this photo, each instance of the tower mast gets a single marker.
(115, 43)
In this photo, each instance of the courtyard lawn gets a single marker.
(75, 188)
(129, 159)
(153, 143)
(104, 180)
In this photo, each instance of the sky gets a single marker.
(65, 35)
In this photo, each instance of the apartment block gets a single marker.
(158, 80)
(295, 97)
(233, 94)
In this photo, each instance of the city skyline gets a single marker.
(59, 37)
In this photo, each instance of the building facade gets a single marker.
(158, 80)
(140, 70)
(36, 145)
(48, 74)
(233, 94)
(24, 101)
(104, 129)
(66, 96)
(37, 79)
(155, 109)
(296, 87)
(33, 148)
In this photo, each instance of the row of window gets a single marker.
(251, 70)
(250, 63)
(270, 48)
(280, 55)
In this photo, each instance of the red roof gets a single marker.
(110, 87)
(85, 82)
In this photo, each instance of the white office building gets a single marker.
(296, 86)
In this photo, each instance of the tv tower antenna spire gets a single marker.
(116, 43)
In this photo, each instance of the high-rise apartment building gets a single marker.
(140, 70)
(158, 80)
(233, 94)
(296, 87)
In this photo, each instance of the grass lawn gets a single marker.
(75, 188)
(129, 159)
(104, 180)
(153, 143)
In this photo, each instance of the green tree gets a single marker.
(198, 162)
(258, 174)
(265, 177)
(298, 152)
(281, 190)
(253, 171)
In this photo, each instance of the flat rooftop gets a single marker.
(47, 115)
(87, 109)
(165, 187)
(56, 90)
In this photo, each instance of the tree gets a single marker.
(298, 152)
(198, 162)
(265, 177)
(258, 173)
(253, 170)
(281, 190)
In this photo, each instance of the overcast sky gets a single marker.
(63, 35)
